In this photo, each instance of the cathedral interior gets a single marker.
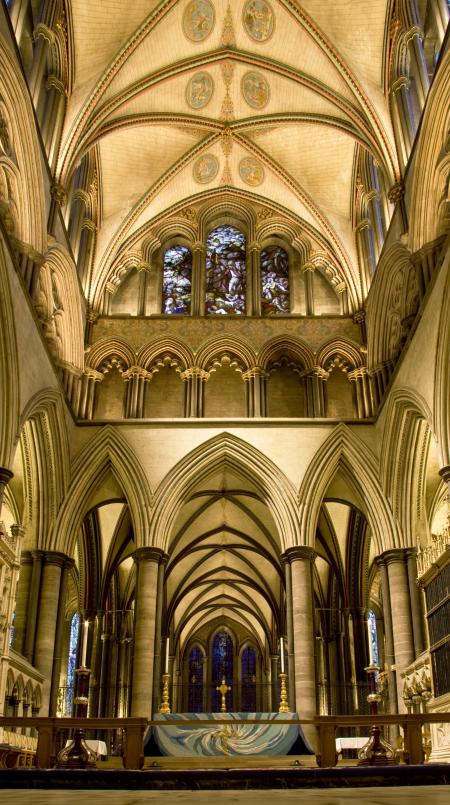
(224, 359)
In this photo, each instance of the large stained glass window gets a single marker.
(248, 680)
(177, 280)
(225, 271)
(274, 281)
(222, 667)
(73, 646)
(195, 695)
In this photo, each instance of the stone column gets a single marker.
(255, 385)
(159, 656)
(290, 632)
(104, 675)
(301, 559)
(253, 295)
(147, 561)
(362, 396)
(366, 253)
(198, 279)
(48, 612)
(89, 378)
(416, 599)
(135, 377)
(342, 292)
(308, 269)
(315, 392)
(23, 591)
(195, 379)
(33, 601)
(44, 38)
(413, 38)
(389, 655)
(401, 614)
(59, 633)
(143, 270)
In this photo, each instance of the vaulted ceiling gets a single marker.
(268, 101)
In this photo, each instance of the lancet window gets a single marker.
(225, 271)
(248, 680)
(177, 280)
(222, 668)
(274, 268)
(71, 665)
(195, 694)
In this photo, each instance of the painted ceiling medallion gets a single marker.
(206, 168)
(259, 20)
(251, 171)
(255, 90)
(199, 90)
(198, 20)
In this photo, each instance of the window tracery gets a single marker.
(177, 280)
(274, 281)
(222, 666)
(225, 271)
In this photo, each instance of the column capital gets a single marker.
(148, 554)
(255, 371)
(444, 472)
(26, 558)
(5, 476)
(136, 371)
(254, 246)
(308, 266)
(396, 192)
(58, 558)
(194, 371)
(37, 556)
(392, 555)
(44, 32)
(298, 552)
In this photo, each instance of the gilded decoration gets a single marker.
(198, 20)
(255, 90)
(206, 168)
(199, 90)
(251, 171)
(259, 20)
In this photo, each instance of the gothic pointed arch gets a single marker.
(9, 367)
(227, 450)
(108, 451)
(345, 452)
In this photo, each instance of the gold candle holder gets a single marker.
(164, 707)
(284, 704)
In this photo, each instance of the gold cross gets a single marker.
(223, 689)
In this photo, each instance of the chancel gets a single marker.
(224, 385)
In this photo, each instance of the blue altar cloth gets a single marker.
(224, 739)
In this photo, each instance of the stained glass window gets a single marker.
(274, 281)
(225, 271)
(373, 634)
(73, 646)
(222, 666)
(177, 280)
(195, 696)
(248, 680)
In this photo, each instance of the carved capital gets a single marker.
(194, 371)
(299, 552)
(255, 371)
(392, 556)
(42, 31)
(57, 558)
(53, 82)
(58, 193)
(359, 316)
(308, 266)
(444, 472)
(254, 246)
(400, 83)
(136, 371)
(5, 476)
(148, 554)
(396, 192)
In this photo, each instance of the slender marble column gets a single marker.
(389, 635)
(147, 560)
(290, 632)
(301, 559)
(44, 650)
(23, 591)
(59, 632)
(415, 597)
(33, 599)
(158, 668)
(401, 615)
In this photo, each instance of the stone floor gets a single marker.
(403, 795)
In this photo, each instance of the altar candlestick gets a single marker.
(85, 642)
(166, 662)
(282, 654)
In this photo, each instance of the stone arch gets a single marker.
(9, 367)
(404, 451)
(229, 211)
(32, 217)
(342, 349)
(66, 305)
(109, 348)
(45, 450)
(286, 345)
(442, 375)
(344, 451)
(171, 348)
(108, 451)
(225, 449)
(215, 348)
(429, 182)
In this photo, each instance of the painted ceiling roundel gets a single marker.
(259, 20)
(198, 20)
(199, 90)
(255, 90)
(251, 171)
(206, 168)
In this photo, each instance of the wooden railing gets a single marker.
(134, 729)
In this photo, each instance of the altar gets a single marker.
(205, 739)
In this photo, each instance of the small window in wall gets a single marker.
(177, 278)
(274, 266)
(248, 680)
(372, 620)
(222, 668)
(195, 695)
(71, 665)
(225, 271)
